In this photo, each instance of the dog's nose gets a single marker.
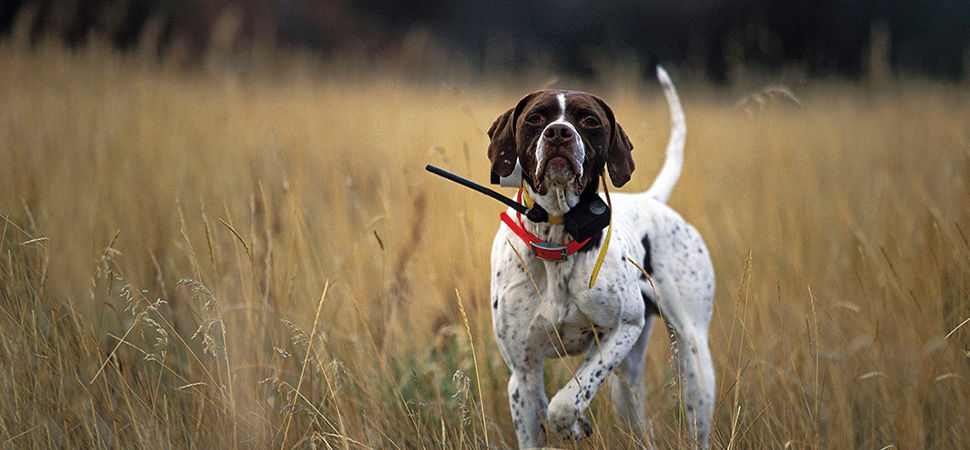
(558, 133)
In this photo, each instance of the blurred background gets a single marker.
(848, 39)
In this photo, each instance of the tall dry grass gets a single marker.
(202, 259)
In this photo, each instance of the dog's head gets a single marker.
(561, 138)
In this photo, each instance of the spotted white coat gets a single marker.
(545, 309)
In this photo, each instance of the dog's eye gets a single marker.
(590, 122)
(534, 119)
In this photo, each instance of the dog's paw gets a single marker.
(565, 418)
(573, 430)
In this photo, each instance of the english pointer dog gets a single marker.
(542, 303)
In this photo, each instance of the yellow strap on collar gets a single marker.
(606, 243)
(558, 220)
(555, 220)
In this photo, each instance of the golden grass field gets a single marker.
(213, 259)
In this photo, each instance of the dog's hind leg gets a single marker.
(692, 359)
(691, 356)
(626, 387)
(685, 299)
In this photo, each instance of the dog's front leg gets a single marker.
(567, 406)
(527, 400)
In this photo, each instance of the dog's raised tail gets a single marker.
(670, 172)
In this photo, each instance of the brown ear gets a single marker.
(618, 158)
(501, 149)
(619, 161)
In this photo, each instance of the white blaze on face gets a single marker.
(578, 151)
(562, 105)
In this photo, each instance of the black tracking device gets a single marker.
(587, 218)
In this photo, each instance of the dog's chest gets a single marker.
(561, 292)
(573, 333)
(568, 298)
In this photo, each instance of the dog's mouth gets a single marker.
(562, 172)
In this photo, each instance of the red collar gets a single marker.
(546, 250)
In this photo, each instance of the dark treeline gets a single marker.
(822, 37)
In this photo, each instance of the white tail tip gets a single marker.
(670, 172)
